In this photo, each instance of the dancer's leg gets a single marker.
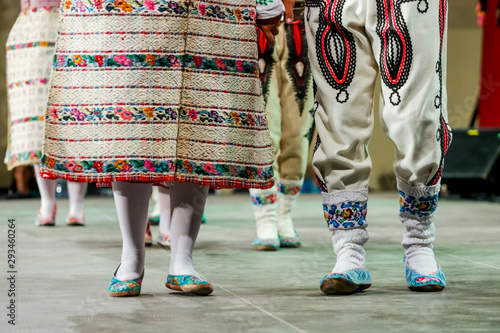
(187, 202)
(76, 193)
(165, 210)
(131, 200)
(47, 188)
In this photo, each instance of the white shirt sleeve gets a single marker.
(267, 9)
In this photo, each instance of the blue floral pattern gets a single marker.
(346, 215)
(420, 206)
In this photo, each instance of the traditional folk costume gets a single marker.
(349, 43)
(154, 91)
(30, 49)
(285, 73)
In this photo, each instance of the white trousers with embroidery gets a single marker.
(350, 43)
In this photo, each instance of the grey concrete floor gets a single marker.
(63, 274)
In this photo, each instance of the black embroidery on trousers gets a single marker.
(335, 47)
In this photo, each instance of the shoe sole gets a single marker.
(75, 224)
(291, 246)
(148, 244)
(428, 288)
(260, 247)
(341, 286)
(46, 225)
(202, 289)
(124, 293)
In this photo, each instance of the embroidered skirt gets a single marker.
(30, 48)
(153, 91)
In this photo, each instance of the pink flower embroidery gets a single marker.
(174, 61)
(203, 9)
(149, 165)
(123, 60)
(239, 65)
(61, 60)
(150, 4)
(70, 165)
(78, 114)
(126, 115)
(81, 6)
(233, 170)
(54, 113)
(422, 280)
(120, 110)
(193, 114)
(219, 63)
(210, 168)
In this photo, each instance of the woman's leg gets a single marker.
(76, 193)
(187, 203)
(131, 200)
(47, 188)
(165, 210)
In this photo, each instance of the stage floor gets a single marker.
(63, 274)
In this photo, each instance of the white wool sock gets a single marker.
(288, 192)
(76, 193)
(417, 206)
(345, 214)
(187, 202)
(417, 242)
(131, 200)
(265, 209)
(47, 188)
(348, 246)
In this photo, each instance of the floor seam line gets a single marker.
(473, 261)
(262, 310)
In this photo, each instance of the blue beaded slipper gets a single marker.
(189, 284)
(424, 282)
(269, 244)
(290, 241)
(346, 283)
(125, 288)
